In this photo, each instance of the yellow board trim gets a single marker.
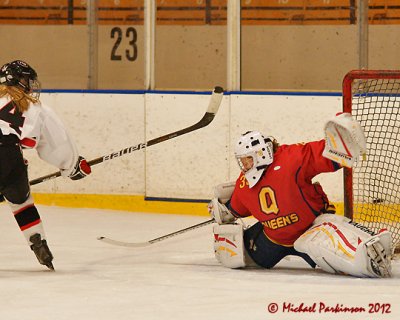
(121, 202)
(134, 203)
(377, 212)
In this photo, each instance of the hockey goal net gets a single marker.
(372, 187)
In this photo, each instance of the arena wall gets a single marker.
(185, 168)
(305, 57)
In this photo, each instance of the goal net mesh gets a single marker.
(373, 192)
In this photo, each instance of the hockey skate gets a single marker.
(41, 250)
(379, 260)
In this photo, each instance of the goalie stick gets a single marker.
(213, 106)
(150, 242)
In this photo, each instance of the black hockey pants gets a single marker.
(14, 182)
(266, 253)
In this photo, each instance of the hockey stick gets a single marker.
(150, 242)
(213, 106)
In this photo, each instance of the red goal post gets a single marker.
(372, 187)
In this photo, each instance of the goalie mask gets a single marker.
(254, 153)
(19, 74)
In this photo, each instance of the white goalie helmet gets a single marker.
(253, 144)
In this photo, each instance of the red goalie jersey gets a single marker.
(285, 200)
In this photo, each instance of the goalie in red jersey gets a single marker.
(294, 215)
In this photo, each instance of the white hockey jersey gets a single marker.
(40, 128)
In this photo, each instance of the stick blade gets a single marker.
(124, 244)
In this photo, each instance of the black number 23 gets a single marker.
(132, 52)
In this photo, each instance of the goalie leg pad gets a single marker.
(338, 245)
(228, 245)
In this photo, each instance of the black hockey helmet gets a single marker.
(19, 73)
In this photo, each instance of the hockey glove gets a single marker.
(220, 212)
(344, 140)
(81, 169)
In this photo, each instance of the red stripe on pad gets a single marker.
(22, 209)
(341, 235)
(220, 239)
(34, 223)
(344, 144)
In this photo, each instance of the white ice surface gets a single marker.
(174, 279)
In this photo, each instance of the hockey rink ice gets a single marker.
(175, 279)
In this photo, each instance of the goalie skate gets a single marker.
(379, 261)
(41, 250)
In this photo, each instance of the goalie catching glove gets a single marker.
(344, 140)
(81, 169)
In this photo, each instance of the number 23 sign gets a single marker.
(130, 35)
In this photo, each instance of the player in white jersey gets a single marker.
(26, 123)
